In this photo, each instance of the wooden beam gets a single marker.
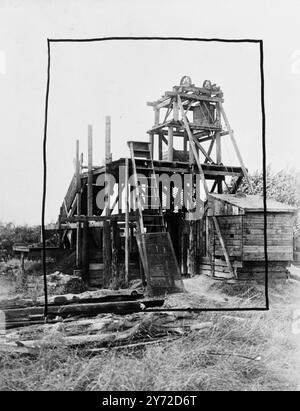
(191, 154)
(162, 102)
(170, 106)
(216, 223)
(214, 186)
(90, 172)
(193, 146)
(160, 150)
(236, 185)
(151, 141)
(193, 97)
(170, 144)
(236, 148)
(127, 254)
(207, 156)
(78, 203)
(178, 125)
(156, 116)
(175, 111)
(210, 148)
(185, 142)
(108, 156)
(85, 252)
(198, 90)
(107, 253)
(218, 148)
(115, 253)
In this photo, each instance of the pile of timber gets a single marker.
(217, 268)
(244, 271)
(104, 332)
(19, 312)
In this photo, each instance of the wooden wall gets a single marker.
(231, 230)
(279, 234)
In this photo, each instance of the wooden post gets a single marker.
(245, 172)
(218, 149)
(22, 279)
(175, 111)
(85, 252)
(192, 248)
(160, 143)
(151, 141)
(219, 160)
(192, 146)
(90, 172)
(226, 255)
(115, 253)
(107, 252)
(185, 138)
(108, 156)
(184, 247)
(78, 199)
(156, 116)
(127, 253)
(170, 143)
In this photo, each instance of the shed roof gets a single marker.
(254, 203)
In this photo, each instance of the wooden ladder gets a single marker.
(154, 243)
(148, 195)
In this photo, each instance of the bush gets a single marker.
(283, 186)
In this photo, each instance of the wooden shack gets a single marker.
(146, 226)
(241, 222)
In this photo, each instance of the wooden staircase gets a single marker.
(154, 243)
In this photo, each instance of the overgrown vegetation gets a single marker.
(283, 186)
(243, 352)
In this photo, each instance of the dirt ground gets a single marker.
(244, 351)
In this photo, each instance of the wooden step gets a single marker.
(140, 145)
(142, 154)
(160, 264)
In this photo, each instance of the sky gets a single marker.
(89, 81)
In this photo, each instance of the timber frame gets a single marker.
(106, 238)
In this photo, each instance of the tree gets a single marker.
(283, 186)
(11, 234)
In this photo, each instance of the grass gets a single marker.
(243, 352)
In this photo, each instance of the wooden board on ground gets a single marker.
(161, 266)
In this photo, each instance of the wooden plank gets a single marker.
(156, 116)
(127, 253)
(115, 252)
(151, 141)
(204, 152)
(218, 147)
(236, 148)
(85, 252)
(175, 111)
(90, 172)
(170, 144)
(108, 156)
(223, 246)
(96, 266)
(191, 96)
(78, 203)
(107, 252)
(192, 143)
(160, 146)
